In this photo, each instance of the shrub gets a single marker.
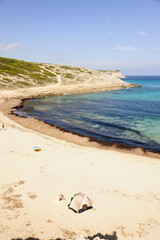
(49, 74)
(6, 80)
(66, 67)
(68, 75)
(22, 83)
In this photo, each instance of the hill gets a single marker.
(15, 74)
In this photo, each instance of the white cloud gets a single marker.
(61, 55)
(143, 34)
(110, 33)
(8, 47)
(130, 49)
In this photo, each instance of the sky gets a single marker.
(97, 34)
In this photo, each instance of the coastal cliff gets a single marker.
(27, 79)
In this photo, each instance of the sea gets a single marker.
(130, 117)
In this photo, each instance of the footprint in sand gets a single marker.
(32, 196)
(41, 169)
(11, 198)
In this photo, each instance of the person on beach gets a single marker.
(3, 126)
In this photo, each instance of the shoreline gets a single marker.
(59, 133)
(119, 183)
(53, 90)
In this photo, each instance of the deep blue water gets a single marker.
(128, 116)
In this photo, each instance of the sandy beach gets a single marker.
(123, 186)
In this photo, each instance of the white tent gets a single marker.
(80, 202)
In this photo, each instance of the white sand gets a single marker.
(125, 189)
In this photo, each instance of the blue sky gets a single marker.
(98, 34)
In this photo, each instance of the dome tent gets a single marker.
(80, 203)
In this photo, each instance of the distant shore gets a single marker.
(50, 90)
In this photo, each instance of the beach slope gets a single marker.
(124, 188)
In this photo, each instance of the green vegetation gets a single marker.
(68, 75)
(15, 67)
(21, 69)
(109, 71)
(21, 83)
(66, 67)
(37, 76)
(10, 70)
(77, 69)
(48, 74)
(78, 80)
(49, 67)
(72, 68)
(7, 80)
(17, 73)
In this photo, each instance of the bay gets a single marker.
(127, 116)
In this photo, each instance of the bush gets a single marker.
(68, 75)
(7, 80)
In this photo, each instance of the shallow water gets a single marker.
(127, 116)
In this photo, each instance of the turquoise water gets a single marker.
(127, 116)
